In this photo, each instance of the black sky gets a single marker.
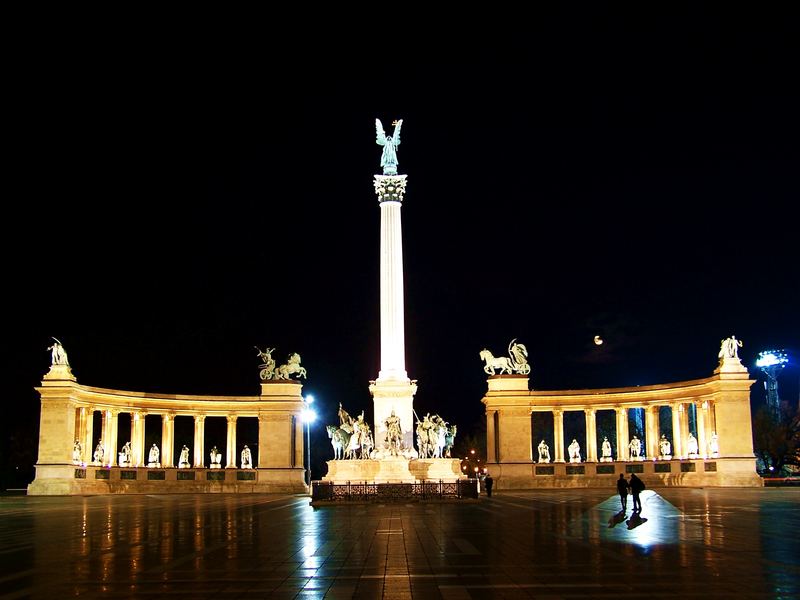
(632, 176)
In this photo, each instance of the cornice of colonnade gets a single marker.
(282, 397)
(511, 392)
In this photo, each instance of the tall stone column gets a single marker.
(702, 440)
(230, 443)
(683, 414)
(651, 431)
(622, 434)
(263, 441)
(113, 428)
(88, 436)
(591, 434)
(137, 438)
(677, 435)
(199, 440)
(392, 391)
(491, 444)
(167, 440)
(558, 435)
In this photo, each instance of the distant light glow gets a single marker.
(308, 415)
(598, 340)
(771, 358)
(309, 399)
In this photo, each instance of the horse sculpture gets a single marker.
(292, 366)
(501, 362)
(340, 440)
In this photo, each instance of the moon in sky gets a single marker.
(598, 340)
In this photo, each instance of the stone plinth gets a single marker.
(398, 396)
(508, 383)
(394, 470)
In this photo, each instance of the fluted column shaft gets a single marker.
(591, 434)
(230, 444)
(167, 441)
(558, 435)
(622, 434)
(702, 443)
(677, 434)
(651, 431)
(393, 362)
(88, 436)
(199, 439)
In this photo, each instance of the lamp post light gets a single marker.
(308, 416)
(771, 362)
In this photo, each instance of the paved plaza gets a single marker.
(689, 543)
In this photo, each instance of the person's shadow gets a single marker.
(616, 519)
(636, 520)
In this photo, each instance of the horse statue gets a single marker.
(501, 362)
(449, 440)
(267, 368)
(340, 440)
(292, 366)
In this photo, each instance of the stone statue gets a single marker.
(216, 458)
(247, 458)
(59, 355)
(358, 439)
(606, 450)
(340, 440)
(394, 434)
(730, 348)
(692, 446)
(183, 461)
(389, 155)
(345, 419)
(292, 366)
(98, 453)
(713, 445)
(125, 455)
(500, 362)
(449, 440)
(519, 357)
(153, 457)
(635, 448)
(574, 452)
(77, 453)
(664, 447)
(544, 452)
(267, 366)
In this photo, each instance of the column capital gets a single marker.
(590, 411)
(390, 188)
(232, 418)
(558, 412)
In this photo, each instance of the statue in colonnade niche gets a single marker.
(247, 458)
(77, 453)
(216, 458)
(574, 452)
(99, 453)
(713, 445)
(544, 452)
(606, 450)
(691, 446)
(635, 448)
(183, 461)
(153, 457)
(665, 448)
(125, 455)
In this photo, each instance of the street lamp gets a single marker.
(771, 362)
(308, 416)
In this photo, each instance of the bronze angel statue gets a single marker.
(389, 156)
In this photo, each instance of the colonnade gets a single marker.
(68, 415)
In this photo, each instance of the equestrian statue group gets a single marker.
(352, 438)
(267, 369)
(515, 362)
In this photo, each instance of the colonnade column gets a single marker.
(683, 414)
(199, 439)
(112, 421)
(677, 437)
(591, 434)
(167, 443)
(558, 435)
(651, 431)
(263, 440)
(622, 434)
(230, 444)
(137, 438)
(702, 446)
(88, 436)
(491, 455)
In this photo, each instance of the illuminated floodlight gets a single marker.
(771, 358)
(309, 416)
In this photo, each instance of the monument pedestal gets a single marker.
(394, 470)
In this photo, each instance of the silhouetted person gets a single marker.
(637, 485)
(622, 488)
(488, 482)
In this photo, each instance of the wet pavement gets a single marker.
(704, 543)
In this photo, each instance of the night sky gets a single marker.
(629, 176)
